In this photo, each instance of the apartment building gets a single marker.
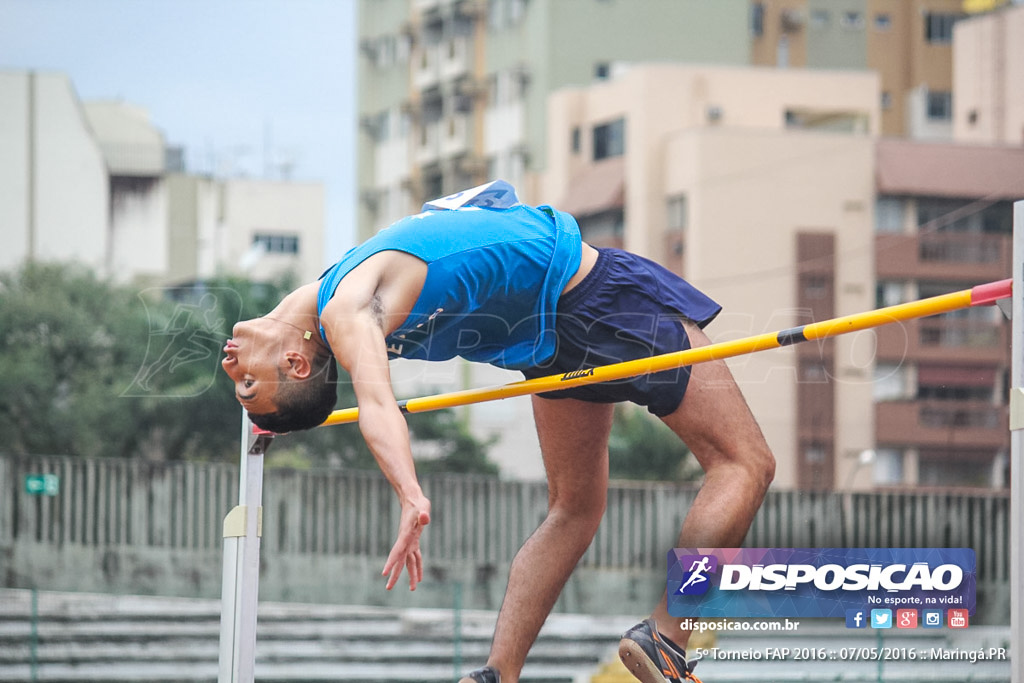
(909, 43)
(763, 185)
(453, 92)
(943, 222)
(771, 190)
(96, 183)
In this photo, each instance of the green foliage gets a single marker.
(90, 368)
(643, 447)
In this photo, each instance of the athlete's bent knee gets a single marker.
(760, 464)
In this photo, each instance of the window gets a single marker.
(886, 100)
(888, 294)
(814, 453)
(883, 22)
(852, 20)
(938, 27)
(276, 244)
(676, 210)
(782, 52)
(602, 71)
(610, 140)
(813, 372)
(502, 14)
(603, 229)
(889, 215)
(576, 140)
(888, 466)
(820, 18)
(890, 383)
(940, 106)
(757, 19)
(963, 468)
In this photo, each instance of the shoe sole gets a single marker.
(638, 663)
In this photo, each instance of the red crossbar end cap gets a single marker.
(991, 292)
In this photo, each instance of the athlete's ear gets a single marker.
(298, 366)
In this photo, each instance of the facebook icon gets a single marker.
(856, 618)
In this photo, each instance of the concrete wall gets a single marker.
(766, 166)
(251, 207)
(341, 580)
(740, 248)
(53, 181)
(988, 68)
(659, 100)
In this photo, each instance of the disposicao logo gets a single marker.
(696, 580)
(818, 582)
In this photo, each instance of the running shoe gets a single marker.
(651, 659)
(487, 674)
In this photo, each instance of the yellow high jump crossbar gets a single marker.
(980, 295)
(242, 527)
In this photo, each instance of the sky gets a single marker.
(246, 87)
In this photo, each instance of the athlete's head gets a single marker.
(284, 377)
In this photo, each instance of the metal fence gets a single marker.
(475, 519)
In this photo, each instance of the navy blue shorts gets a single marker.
(627, 307)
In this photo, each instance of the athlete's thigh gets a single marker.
(713, 418)
(573, 438)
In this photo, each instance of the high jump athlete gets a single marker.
(482, 276)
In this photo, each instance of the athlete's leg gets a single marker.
(718, 427)
(574, 441)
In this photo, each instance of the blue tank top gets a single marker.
(493, 281)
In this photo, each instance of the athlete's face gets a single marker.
(253, 360)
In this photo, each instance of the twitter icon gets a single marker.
(881, 618)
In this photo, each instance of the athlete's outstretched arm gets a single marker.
(357, 338)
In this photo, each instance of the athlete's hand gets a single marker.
(406, 551)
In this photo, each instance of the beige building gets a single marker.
(988, 70)
(96, 183)
(54, 185)
(909, 43)
(756, 185)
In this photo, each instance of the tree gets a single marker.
(643, 447)
(90, 368)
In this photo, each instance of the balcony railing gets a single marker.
(942, 339)
(964, 424)
(953, 248)
(968, 257)
(959, 333)
(941, 416)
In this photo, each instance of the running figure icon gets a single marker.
(697, 570)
